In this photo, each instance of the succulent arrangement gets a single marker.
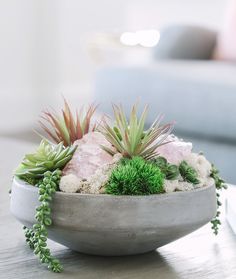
(125, 157)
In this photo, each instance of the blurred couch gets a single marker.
(187, 86)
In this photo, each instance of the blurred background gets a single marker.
(165, 53)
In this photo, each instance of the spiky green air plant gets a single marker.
(130, 138)
(48, 157)
(66, 127)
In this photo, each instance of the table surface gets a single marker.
(198, 255)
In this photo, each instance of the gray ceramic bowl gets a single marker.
(117, 225)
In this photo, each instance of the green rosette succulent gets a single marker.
(170, 171)
(48, 157)
(188, 173)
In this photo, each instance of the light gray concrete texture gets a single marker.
(117, 225)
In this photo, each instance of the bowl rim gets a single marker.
(23, 184)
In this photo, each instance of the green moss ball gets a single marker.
(135, 177)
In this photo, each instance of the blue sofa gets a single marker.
(187, 86)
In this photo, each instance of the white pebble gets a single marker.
(70, 183)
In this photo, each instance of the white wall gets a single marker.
(29, 60)
(158, 13)
(43, 48)
(43, 53)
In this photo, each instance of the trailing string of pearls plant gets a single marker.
(36, 237)
(43, 170)
(220, 185)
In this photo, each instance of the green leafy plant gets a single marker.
(43, 169)
(36, 237)
(47, 157)
(129, 137)
(220, 185)
(170, 171)
(66, 127)
(188, 173)
(135, 177)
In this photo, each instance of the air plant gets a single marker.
(66, 127)
(130, 138)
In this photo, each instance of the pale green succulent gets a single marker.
(48, 157)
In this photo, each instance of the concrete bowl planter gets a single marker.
(117, 225)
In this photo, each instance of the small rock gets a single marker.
(184, 186)
(176, 185)
(175, 151)
(96, 182)
(207, 181)
(200, 164)
(170, 185)
(89, 156)
(70, 183)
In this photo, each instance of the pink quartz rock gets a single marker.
(88, 156)
(175, 151)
